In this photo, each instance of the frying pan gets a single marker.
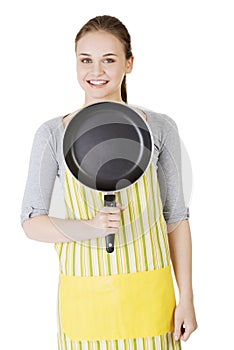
(107, 146)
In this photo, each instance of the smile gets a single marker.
(97, 82)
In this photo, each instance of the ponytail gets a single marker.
(124, 90)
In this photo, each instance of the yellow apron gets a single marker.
(129, 293)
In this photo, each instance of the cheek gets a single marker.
(81, 68)
(117, 73)
(78, 75)
(81, 73)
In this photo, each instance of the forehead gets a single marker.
(99, 42)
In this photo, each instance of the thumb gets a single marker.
(177, 328)
(119, 206)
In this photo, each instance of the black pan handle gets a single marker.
(109, 201)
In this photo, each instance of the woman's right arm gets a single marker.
(41, 228)
(49, 229)
(35, 219)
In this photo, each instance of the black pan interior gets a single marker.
(107, 146)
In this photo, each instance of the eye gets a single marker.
(108, 60)
(86, 60)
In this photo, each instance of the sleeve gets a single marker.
(170, 177)
(43, 168)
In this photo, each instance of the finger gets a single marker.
(177, 330)
(187, 333)
(114, 217)
(110, 210)
(112, 230)
(114, 224)
(119, 206)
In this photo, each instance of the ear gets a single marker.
(129, 65)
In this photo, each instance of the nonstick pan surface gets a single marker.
(107, 146)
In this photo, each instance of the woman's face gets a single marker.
(101, 66)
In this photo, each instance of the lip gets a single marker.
(99, 83)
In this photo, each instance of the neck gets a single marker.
(89, 101)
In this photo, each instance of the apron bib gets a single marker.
(128, 293)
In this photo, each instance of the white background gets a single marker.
(183, 68)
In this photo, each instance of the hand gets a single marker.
(106, 221)
(185, 320)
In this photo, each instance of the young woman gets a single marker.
(122, 300)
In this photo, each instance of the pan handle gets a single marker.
(109, 201)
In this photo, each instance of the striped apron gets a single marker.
(122, 300)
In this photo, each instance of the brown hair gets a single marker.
(113, 26)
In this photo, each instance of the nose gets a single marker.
(97, 68)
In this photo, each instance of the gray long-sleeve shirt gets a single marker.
(47, 163)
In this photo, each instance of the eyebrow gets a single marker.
(106, 54)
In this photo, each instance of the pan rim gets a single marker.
(147, 127)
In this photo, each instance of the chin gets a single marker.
(100, 97)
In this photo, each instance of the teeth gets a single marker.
(97, 82)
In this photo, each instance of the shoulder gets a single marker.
(49, 132)
(50, 126)
(160, 124)
(158, 120)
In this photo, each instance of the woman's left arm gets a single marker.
(180, 243)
